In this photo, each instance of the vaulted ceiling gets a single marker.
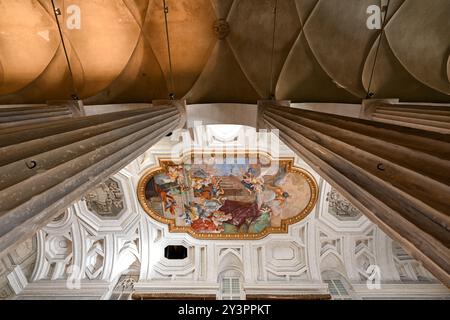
(323, 51)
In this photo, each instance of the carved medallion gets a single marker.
(106, 199)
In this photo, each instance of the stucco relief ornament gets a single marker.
(105, 199)
(340, 206)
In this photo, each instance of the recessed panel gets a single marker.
(245, 197)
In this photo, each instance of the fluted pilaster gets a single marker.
(45, 167)
(399, 177)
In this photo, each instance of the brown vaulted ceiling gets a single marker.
(323, 51)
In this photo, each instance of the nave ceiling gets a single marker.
(91, 248)
(323, 51)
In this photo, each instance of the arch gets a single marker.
(128, 258)
(331, 261)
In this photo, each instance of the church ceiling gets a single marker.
(221, 50)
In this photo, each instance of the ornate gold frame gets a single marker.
(285, 223)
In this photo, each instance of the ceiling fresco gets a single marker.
(221, 51)
(246, 198)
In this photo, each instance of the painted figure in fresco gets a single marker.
(186, 215)
(216, 190)
(261, 222)
(205, 185)
(212, 223)
(175, 174)
(201, 187)
(204, 225)
(277, 205)
(274, 197)
(242, 213)
(218, 218)
(254, 224)
(211, 206)
(281, 196)
(205, 217)
(189, 214)
(197, 184)
(199, 208)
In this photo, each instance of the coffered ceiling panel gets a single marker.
(323, 50)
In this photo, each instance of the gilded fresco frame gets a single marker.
(173, 228)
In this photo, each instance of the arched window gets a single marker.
(338, 285)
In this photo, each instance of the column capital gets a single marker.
(274, 103)
(64, 160)
(262, 104)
